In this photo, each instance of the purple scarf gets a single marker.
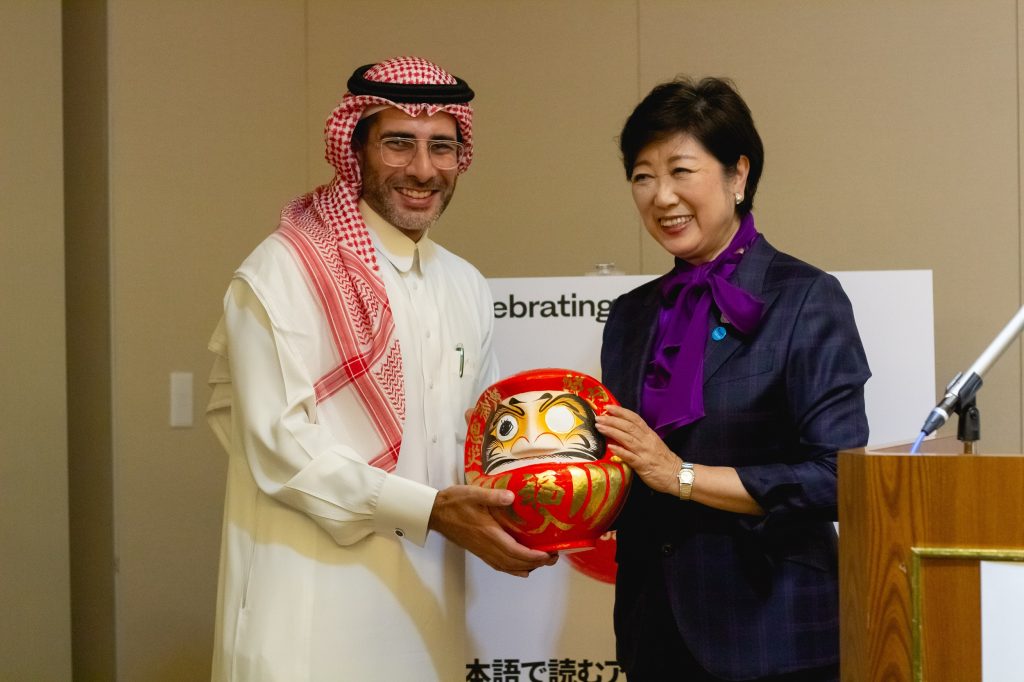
(673, 392)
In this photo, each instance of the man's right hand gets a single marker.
(462, 513)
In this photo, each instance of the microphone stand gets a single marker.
(968, 425)
(961, 392)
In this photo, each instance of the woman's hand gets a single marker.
(657, 466)
(641, 448)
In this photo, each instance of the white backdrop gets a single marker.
(556, 625)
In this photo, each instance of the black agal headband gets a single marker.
(407, 93)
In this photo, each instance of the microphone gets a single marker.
(965, 384)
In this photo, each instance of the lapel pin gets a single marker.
(718, 333)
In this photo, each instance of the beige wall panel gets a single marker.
(1020, 188)
(208, 108)
(891, 142)
(554, 82)
(35, 629)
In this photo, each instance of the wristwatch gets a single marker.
(686, 477)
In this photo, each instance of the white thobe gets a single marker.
(327, 568)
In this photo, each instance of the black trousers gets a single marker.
(666, 658)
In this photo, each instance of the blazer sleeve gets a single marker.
(825, 372)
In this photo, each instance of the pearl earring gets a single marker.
(739, 198)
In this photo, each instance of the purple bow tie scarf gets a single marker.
(673, 393)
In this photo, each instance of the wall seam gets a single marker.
(86, 28)
(305, 77)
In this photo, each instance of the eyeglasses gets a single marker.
(399, 152)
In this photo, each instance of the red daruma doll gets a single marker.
(533, 433)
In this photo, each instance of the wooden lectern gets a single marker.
(912, 531)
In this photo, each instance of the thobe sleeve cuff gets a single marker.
(403, 509)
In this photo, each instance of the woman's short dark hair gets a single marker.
(712, 112)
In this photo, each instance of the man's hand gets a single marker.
(462, 513)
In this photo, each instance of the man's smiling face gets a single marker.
(412, 197)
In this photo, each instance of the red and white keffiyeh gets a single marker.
(328, 235)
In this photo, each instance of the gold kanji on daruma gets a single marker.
(534, 433)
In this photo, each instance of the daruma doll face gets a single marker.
(539, 427)
(533, 433)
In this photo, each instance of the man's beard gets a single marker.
(378, 195)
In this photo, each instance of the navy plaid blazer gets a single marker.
(752, 596)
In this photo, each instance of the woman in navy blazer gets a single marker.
(741, 374)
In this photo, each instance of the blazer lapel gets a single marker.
(637, 345)
(750, 277)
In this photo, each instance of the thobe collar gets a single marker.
(401, 252)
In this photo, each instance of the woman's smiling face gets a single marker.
(686, 198)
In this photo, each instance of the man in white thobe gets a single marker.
(350, 347)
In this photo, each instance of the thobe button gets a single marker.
(399, 532)
(667, 549)
(433, 439)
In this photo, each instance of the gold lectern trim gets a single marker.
(920, 553)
